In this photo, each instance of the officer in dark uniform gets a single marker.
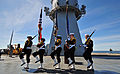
(88, 50)
(72, 43)
(57, 52)
(40, 52)
(26, 51)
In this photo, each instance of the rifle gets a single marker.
(90, 36)
(11, 50)
(34, 36)
(55, 26)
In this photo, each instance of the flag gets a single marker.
(67, 20)
(40, 27)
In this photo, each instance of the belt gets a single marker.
(28, 48)
(41, 48)
(57, 47)
(72, 46)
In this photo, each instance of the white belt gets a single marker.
(28, 48)
(57, 47)
(41, 48)
(72, 46)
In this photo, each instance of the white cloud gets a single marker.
(106, 46)
(101, 26)
(17, 18)
(113, 37)
(96, 10)
(20, 16)
(103, 13)
(107, 42)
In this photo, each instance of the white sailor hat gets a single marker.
(86, 34)
(59, 37)
(71, 33)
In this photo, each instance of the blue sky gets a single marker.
(22, 16)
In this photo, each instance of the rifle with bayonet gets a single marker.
(90, 36)
(34, 36)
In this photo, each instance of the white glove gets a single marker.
(23, 52)
(68, 39)
(84, 45)
(55, 39)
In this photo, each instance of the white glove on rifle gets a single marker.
(23, 52)
(68, 38)
(84, 45)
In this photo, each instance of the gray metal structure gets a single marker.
(74, 14)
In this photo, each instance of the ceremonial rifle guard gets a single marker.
(57, 52)
(72, 47)
(40, 52)
(87, 54)
(26, 51)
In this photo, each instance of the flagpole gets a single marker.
(67, 20)
(40, 27)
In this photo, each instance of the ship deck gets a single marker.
(102, 65)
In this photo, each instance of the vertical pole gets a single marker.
(67, 19)
(40, 27)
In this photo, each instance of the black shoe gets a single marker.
(57, 68)
(90, 65)
(26, 67)
(23, 64)
(55, 64)
(37, 61)
(90, 69)
(70, 63)
(72, 68)
(40, 68)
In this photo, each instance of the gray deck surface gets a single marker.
(102, 65)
